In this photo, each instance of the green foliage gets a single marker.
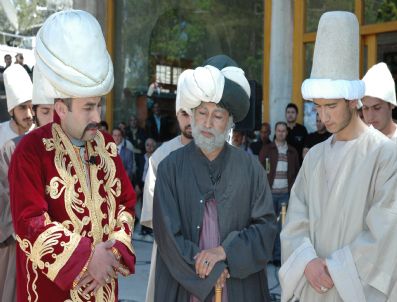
(387, 11)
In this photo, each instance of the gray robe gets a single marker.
(237, 181)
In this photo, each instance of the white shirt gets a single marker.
(6, 133)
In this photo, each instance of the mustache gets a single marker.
(209, 130)
(90, 126)
(187, 127)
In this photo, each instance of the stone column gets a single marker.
(280, 60)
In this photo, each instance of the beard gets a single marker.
(187, 132)
(209, 144)
(24, 124)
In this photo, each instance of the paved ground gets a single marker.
(133, 288)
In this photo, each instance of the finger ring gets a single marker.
(323, 289)
(206, 262)
(107, 280)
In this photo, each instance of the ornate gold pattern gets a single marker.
(90, 214)
(44, 245)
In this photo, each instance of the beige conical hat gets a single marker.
(18, 86)
(379, 83)
(335, 70)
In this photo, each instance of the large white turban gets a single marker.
(379, 83)
(18, 86)
(219, 82)
(71, 57)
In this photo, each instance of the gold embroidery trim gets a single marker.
(45, 244)
(123, 238)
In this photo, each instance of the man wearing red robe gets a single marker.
(72, 203)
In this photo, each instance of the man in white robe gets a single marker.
(338, 243)
(18, 86)
(147, 209)
(380, 100)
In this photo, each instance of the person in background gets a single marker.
(239, 140)
(19, 60)
(103, 126)
(18, 86)
(127, 156)
(264, 138)
(380, 100)
(316, 137)
(7, 62)
(43, 110)
(296, 132)
(281, 162)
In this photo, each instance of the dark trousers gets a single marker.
(278, 199)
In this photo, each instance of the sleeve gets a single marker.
(296, 247)
(148, 192)
(6, 228)
(256, 240)
(125, 219)
(176, 251)
(58, 253)
(369, 265)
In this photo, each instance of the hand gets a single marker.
(103, 262)
(316, 272)
(206, 260)
(90, 283)
(220, 283)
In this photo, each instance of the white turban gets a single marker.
(227, 86)
(71, 57)
(379, 83)
(18, 86)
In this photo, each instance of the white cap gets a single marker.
(71, 57)
(379, 83)
(18, 86)
(335, 70)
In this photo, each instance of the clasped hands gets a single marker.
(100, 270)
(206, 260)
(316, 272)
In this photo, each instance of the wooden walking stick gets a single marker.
(283, 213)
(218, 294)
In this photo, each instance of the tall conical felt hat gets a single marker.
(71, 57)
(335, 70)
(18, 86)
(379, 83)
(220, 81)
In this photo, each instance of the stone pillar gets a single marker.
(95, 7)
(280, 87)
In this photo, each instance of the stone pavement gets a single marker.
(133, 288)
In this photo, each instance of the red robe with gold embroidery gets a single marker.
(59, 213)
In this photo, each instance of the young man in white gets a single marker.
(19, 103)
(380, 100)
(338, 243)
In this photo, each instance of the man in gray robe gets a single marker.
(339, 241)
(213, 217)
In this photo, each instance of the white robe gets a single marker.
(147, 204)
(351, 222)
(6, 133)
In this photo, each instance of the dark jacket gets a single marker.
(270, 151)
